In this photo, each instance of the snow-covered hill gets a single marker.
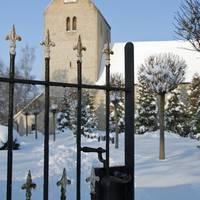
(178, 177)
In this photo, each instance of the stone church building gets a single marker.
(66, 20)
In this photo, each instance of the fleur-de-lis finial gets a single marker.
(13, 37)
(93, 179)
(63, 184)
(47, 43)
(107, 51)
(28, 186)
(79, 47)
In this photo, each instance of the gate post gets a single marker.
(12, 37)
(47, 44)
(129, 117)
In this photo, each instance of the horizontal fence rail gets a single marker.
(60, 84)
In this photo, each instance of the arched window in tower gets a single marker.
(74, 25)
(68, 24)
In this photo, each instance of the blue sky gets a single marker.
(131, 20)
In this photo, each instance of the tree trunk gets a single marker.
(162, 127)
(26, 125)
(116, 130)
(54, 126)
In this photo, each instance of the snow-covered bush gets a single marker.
(162, 73)
(4, 138)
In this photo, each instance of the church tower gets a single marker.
(66, 20)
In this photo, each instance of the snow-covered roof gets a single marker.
(145, 49)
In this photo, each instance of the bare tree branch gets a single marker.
(188, 22)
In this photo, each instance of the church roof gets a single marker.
(143, 50)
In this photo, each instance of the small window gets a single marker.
(74, 25)
(68, 24)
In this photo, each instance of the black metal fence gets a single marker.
(108, 175)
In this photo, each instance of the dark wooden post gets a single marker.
(47, 44)
(12, 37)
(26, 113)
(36, 134)
(54, 110)
(36, 112)
(162, 126)
(129, 117)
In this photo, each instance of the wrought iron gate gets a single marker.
(118, 175)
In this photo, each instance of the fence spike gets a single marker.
(13, 37)
(93, 179)
(47, 43)
(28, 186)
(107, 51)
(79, 47)
(63, 182)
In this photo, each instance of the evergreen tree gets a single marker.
(117, 104)
(63, 116)
(196, 120)
(194, 104)
(88, 116)
(117, 121)
(89, 119)
(177, 117)
(146, 119)
(3, 97)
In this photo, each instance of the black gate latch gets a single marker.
(99, 151)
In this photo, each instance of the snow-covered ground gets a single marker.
(178, 177)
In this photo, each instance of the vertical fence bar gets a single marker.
(79, 47)
(10, 129)
(46, 131)
(47, 43)
(129, 116)
(107, 119)
(12, 37)
(107, 51)
(79, 99)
